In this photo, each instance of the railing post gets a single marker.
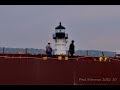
(26, 51)
(87, 52)
(3, 50)
(103, 54)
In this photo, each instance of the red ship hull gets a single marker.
(35, 71)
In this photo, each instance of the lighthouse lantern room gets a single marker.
(60, 38)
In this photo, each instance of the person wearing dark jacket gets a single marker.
(72, 48)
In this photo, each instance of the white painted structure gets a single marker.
(117, 53)
(60, 38)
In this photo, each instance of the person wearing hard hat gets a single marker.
(49, 49)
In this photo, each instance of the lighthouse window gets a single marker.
(61, 30)
(57, 30)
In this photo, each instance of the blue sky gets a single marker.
(95, 27)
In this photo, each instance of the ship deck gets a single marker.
(25, 69)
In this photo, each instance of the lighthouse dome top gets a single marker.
(60, 26)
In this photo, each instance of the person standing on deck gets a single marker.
(49, 50)
(72, 48)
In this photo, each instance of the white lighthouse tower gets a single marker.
(60, 38)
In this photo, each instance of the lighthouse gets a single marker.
(60, 38)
